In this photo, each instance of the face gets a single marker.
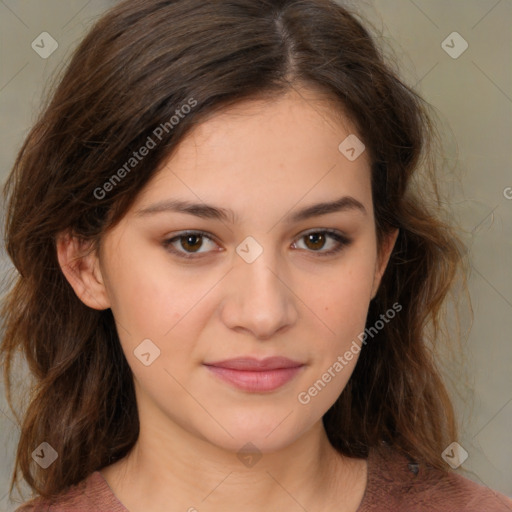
(258, 274)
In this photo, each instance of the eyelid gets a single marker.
(342, 239)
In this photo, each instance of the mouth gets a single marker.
(254, 375)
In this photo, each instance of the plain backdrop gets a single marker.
(472, 95)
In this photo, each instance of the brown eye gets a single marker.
(188, 244)
(191, 242)
(315, 241)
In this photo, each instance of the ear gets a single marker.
(80, 265)
(382, 259)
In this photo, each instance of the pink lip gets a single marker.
(255, 375)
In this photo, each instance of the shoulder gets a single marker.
(90, 495)
(396, 483)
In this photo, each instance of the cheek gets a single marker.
(343, 298)
(342, 303)
(152, 299)
(144, 302)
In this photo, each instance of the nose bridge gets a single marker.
(257, 269)
(263, 275)
(259, 300)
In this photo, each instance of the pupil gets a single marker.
(316, 238)
(188, 242)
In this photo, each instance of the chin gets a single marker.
(261, 435)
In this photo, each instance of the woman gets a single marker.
(226, 277)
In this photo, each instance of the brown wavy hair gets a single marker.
(136, 67)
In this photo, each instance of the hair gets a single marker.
(135, 69)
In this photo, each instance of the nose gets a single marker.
(259, 299)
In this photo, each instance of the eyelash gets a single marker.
(342, 240)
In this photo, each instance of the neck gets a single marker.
(173, 467)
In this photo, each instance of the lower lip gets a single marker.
(267, 380)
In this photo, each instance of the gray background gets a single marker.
(472, 95)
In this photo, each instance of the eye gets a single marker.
(316, 240)
(190, 241)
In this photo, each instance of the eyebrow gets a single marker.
(206, 211)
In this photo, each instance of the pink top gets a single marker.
(393, 485)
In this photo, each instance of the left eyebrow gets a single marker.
(343, 204)
(207, 211)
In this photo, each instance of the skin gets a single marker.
(263, 160)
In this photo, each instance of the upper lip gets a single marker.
(253, 364)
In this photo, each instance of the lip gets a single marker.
(253, 364)
(256, 375)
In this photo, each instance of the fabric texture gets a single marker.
(394, 484)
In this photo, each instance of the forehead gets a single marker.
(283, 126)
(260, 151)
